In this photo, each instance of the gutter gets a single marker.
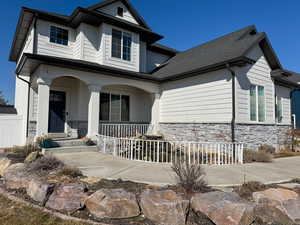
(233, 74)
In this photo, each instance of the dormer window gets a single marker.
(121, 45)
(59, 35)
(120, 11)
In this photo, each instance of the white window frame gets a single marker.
(122, 44)
(109, 115)
(257, 105)
(63, 28)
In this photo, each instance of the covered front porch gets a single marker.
(70, 105)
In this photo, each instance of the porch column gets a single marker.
(155, 113)
(94, 110)
(43, 107)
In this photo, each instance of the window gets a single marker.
(257, 103)
(121, 45)
(114, 107)
(278, 109)
(120, 11)
(59, 35)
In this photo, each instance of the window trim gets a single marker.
(257, 104)
(63, 28)
(109, 115)
(122, 45)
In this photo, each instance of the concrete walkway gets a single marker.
(106, 166)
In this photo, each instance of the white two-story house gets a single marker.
(103, 65)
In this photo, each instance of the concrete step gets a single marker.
(68, 142)
(57, 135)
(72, 149)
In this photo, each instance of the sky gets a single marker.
(184, 24)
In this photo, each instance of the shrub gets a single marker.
(70, 172)
(22, 151)
(190, 177)
(246, 189)
(257, 156)
(45, 164)
(267, 149)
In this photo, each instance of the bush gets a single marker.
(190, 177)
(70, 172)
(267, 149)
(45, 164)
(246, 189)
(22, 151)
(257, 156)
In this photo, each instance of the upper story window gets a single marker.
(120, 11)
(59, 35)
(257, 103)
(121, 45)
(278, 109)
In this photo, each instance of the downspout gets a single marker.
(34, 50)
(233, 75)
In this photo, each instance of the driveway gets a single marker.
(106, 166)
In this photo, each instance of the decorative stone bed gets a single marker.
(123, 202)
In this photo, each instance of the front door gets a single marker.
(57, 108)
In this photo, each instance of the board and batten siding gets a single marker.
(112, 10)
(45, 47)
(206, 98)
(284, 93)
(256, 74)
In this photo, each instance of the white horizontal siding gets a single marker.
(77, 44)
(112, 10)
(154, 60)
(28, 46)
(134, 64)
(45, 47)
(257, 74)
(90, 42)
(204, 98)
(284, 93)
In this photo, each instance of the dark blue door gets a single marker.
(57, 107)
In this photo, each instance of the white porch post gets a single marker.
(43, 107)
(155, 114)
(94, 110)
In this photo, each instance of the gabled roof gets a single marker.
(129, 6)
(229, 47)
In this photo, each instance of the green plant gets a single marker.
(45, 164)
(70, 172)
(190, 177)
(45, 142)
(257, 156)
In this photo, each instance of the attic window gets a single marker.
(120, 11)
(253, 32)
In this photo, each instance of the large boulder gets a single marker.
(16, 177)
(39, 191)
(32, 157)
(164, 207)
(223, 208)
(112, 203)
(4, 164)
(277, 205)
(67, 197)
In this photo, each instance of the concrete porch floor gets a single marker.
(106, 166)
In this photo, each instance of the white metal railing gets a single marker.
(123, 130)
(168, 151)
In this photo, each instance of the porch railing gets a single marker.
(123, 130)
(166, 151)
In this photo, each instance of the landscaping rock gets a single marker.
(67, 197)
(4, 164)
(112, 203)
(16, 177)
(91, 180)
(293, 186)
(164, 207)
(277, 206)
(32, 157)
(223, 208)
(39, 191)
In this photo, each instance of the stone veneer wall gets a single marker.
(253, 135)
